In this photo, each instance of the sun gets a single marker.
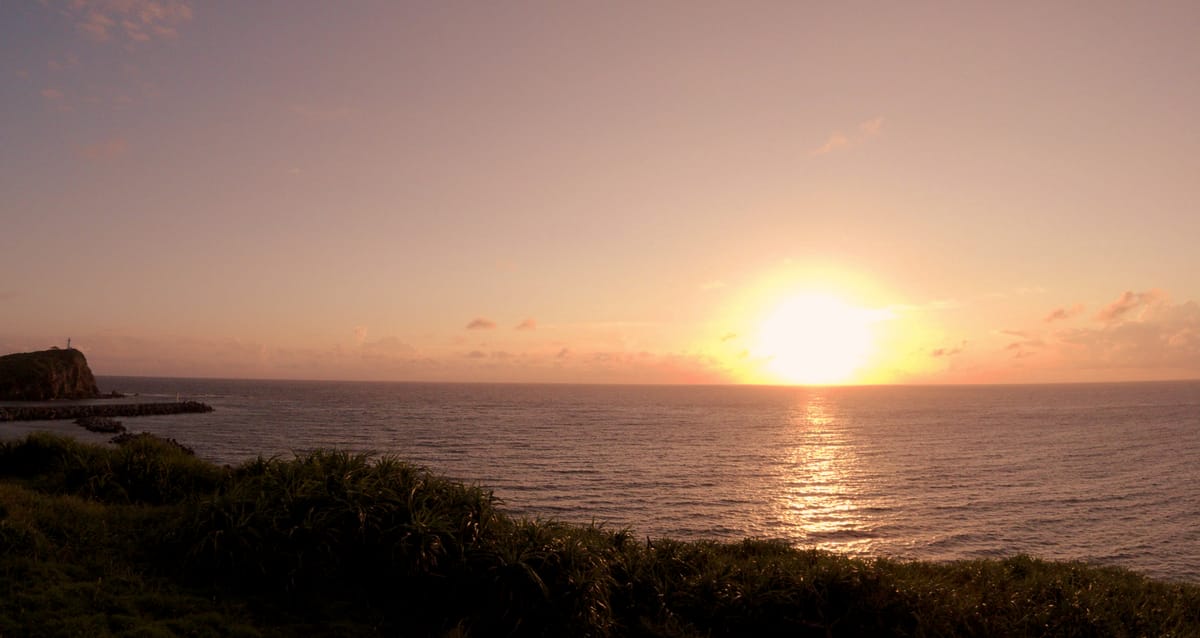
(814, 339)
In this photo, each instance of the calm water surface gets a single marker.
(1104, 473)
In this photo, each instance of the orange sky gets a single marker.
(618, 193)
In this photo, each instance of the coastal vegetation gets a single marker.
(144, 539)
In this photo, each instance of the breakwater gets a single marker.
(75, 411)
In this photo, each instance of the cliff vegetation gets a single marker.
(143, 539)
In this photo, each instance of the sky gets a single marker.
(618, 192)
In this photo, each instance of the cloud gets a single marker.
(1139, 335)
(728, 336)
(476, 354)
(1059, 314)
(1160, 336)
(528, 324)
(360, 333)
(1025, 348)
(648, 367)
(1128, 302)
(563, 354)
(96, 25)
(387, 347)
(479, 323)
(110, 149)
(68, 61)
(948, 352)
(56, 98)
(838, 140)
(871, 127)
(135, 21)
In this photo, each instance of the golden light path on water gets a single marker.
(1103, 472)
(820, 498)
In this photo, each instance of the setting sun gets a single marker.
(814, 340)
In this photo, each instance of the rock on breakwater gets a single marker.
(102, 424)
(75, 411)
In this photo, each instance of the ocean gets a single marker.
(1105, 473)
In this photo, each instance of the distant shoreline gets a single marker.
(75, 411)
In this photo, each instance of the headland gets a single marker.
(59, 384)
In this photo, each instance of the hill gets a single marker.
(45, 375)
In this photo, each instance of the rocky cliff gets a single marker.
(45, 375)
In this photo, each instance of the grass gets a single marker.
(146, 540)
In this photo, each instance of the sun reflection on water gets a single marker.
(819, 502)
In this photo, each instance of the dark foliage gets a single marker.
(144, 539)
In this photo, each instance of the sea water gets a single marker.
(1106, 473)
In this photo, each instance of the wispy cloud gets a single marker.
(67, 61)
(56, 99)
(839, 140)
(948, 352)
(527, 324)
(105, 150)
(836, 140)
(1128, 302)
(1025, 348)
(1137, 336)
(387, 347)
(133, 21)
(1139, 330)
(480, 323)
(871, 127)
(1059, 314)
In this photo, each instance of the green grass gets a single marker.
(146, 540)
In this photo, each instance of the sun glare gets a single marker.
(814, 339)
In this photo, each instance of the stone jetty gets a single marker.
(109, 410)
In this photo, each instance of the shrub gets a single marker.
(142, 469)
